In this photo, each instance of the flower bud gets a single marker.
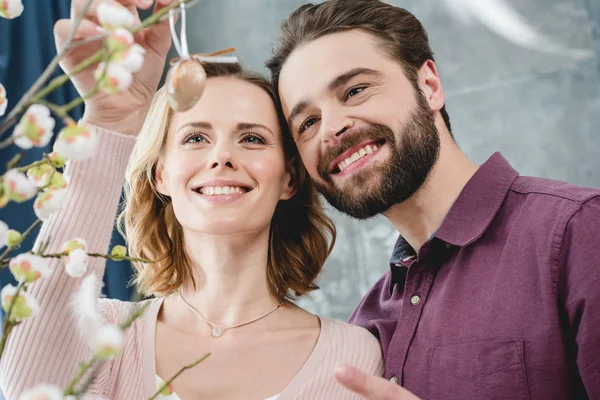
(76, 142)
(35, 128)
(3, 101)
(10, 9)
(118, 252)
(108, 342)
(28, 267)
(24, 307)
(13, 238)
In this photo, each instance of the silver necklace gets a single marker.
(218, 330)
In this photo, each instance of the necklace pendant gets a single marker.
(216, 332)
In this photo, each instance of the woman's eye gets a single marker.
(194, 138)
(307, 124)
(354, 91)
(253, 139)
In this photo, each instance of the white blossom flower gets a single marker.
(108, 341)
(76, 142)
(10, 9)
(35, 128)
(25, 306)
(114, 78)
(56, 159)
(113, 15)
(17, 187)
(3, 234)
(3, 101)
(74, 244)
(13, 238)
(48, 202)
(27, 267)
(76, 263)
(40, 176)
(85, 308)
(42, 391)
(119, 40)
(132, 59)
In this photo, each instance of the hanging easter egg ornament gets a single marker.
(186, 78)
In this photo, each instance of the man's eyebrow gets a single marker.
(333, 85)
(341, 80)
(298, 109)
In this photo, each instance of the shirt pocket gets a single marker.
(488, 370)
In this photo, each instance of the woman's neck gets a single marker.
(231, 276)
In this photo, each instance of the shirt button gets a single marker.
(415, 300)
(394, 380)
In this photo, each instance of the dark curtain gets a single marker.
(26, 48)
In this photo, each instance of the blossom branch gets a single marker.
(9, 249)
(85, 367)
(170, 381)
(25, 100)
(9, 323)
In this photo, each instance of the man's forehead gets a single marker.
(313, 65)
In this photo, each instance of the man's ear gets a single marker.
(431, 86)
(290, 179)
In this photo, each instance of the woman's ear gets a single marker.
(290, 179)
(159, 178)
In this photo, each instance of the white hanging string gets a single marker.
(181, 46)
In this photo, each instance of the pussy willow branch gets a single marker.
(25, 100)
(85, 367)
(170, 381)
(23, 237)
(30, 97)
(9, 324)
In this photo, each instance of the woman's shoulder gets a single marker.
(115, 311)
(353, 345)
(343, 332)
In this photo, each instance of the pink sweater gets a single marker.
(48, 348)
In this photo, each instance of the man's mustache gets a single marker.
(349, 140)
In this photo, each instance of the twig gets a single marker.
(32, 165)
(14, 161)
(9, 324)
(83, 368)
(170, 381)
(23, 237)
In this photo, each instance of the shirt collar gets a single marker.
(474, 209)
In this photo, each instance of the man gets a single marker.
(494, 283)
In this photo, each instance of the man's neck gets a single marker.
(417, 218)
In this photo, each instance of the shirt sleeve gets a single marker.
(48, 347)
(579, 290)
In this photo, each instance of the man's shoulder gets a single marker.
(553, 190)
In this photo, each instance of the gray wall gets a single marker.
(542, 111)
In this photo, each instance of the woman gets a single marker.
(217, 196)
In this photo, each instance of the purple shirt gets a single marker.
(503, 302)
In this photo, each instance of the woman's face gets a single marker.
(224, 165)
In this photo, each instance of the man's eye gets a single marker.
(354, 91)
(307, 124)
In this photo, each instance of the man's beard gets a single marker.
(394, 181)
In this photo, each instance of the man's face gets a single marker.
(365, 133)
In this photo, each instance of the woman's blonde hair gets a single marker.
(301, 235)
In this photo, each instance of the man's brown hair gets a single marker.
(400, 33)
